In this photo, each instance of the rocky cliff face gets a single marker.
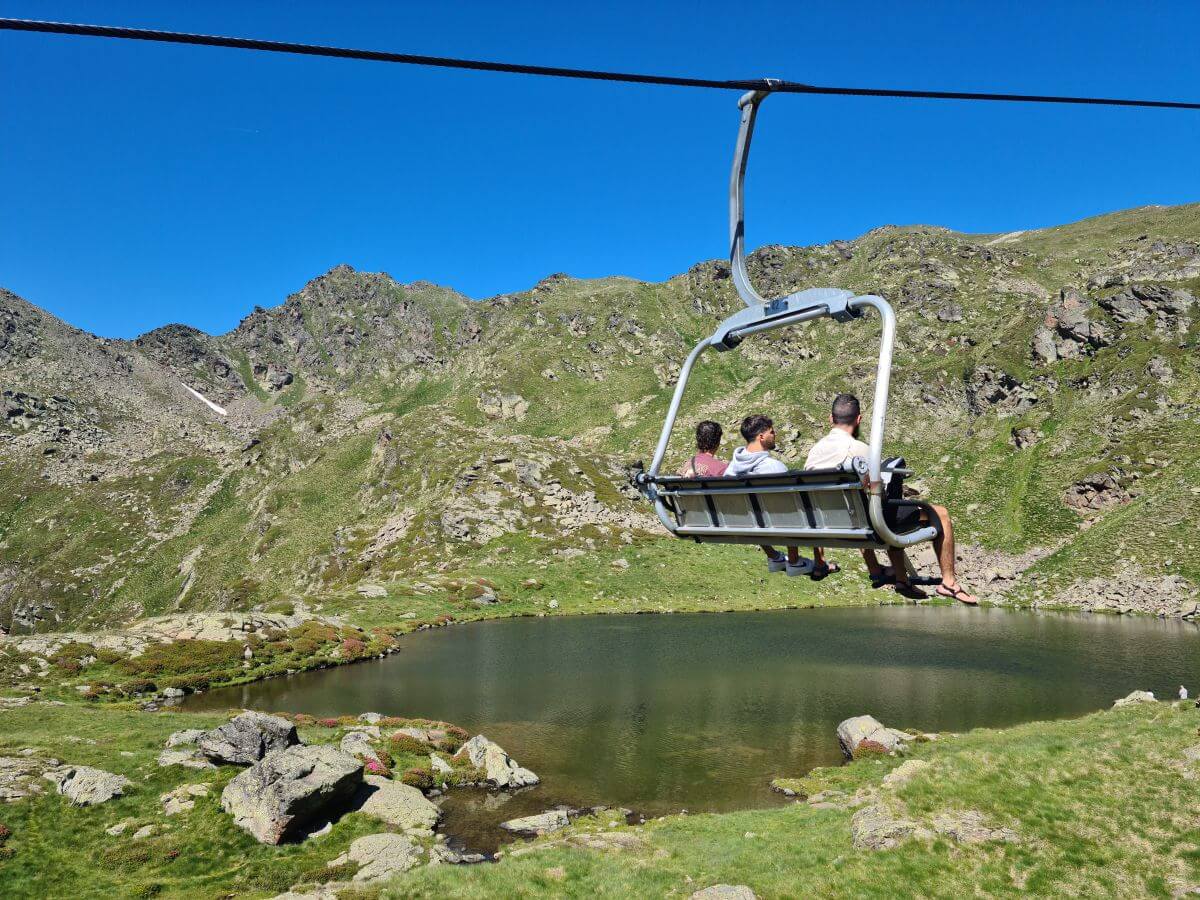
(1044, 386)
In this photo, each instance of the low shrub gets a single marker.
(108, 657)
(406, 743)
(353, 649)
(455, 738)
(184, 657)
(421, 779)
(303, 719)
(305, 646)
(444, 619)
(328, 723)
(137, 686)
(189, 683)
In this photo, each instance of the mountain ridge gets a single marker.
(363, 417)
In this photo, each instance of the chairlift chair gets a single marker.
(808, 508)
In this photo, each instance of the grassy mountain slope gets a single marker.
(377, 432)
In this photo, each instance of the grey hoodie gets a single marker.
(760, 462)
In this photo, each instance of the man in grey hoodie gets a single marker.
(756, 459)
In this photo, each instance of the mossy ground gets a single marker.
(1101, 805)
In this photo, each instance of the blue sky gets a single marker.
(146, 184)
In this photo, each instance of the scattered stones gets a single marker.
(440, 765)
(725, 892)
(440, 854)
(990, 388)
(20, 777)
(865, 734)
(1024, 437)
(86, 786)
(247, 738)
(380, 856)
(370, 718)
(1134, 698)
(398, 804)
(1095, 492)
(144, 832)
(904, 773)
(1130, 589)
(874, 828)
(173, 693)
(543, 823)
(374, 591)
(970, 828)
(616, 841)
(276, 797)
(182, 798)
(120, 827)
(498, 767)
(1068, 332)
(503, 406)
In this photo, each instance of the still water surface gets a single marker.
(698, 712)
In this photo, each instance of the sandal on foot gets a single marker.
(912, 592)
(957, 593)
(887, 576)
(824, 570)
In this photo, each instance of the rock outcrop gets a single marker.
(498, 767)
(380, 856)
(247, 738)
(542, 823)
(289, 789)
(398, 804)
(865, 734)
(86, 786)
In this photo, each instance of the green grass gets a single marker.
(1101, 806)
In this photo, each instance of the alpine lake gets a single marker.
(698, 712)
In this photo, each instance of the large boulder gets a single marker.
(85, 786)
(542, 823)
(380, 856)
(398, 804)
(278, 796)
(247, 738)
(498, 767)
(865, 734)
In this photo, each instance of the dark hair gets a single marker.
(753, 426)
(708, 436)
(846, 409)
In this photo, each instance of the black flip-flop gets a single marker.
(824, 570)
(883, 578)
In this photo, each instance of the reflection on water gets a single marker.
(660, 713)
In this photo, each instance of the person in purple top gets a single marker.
(704, 463)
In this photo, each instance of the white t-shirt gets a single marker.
(834, 449)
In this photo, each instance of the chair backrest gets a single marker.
(803, 503)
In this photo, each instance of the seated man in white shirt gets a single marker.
(830, 452)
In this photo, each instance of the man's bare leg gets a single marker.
(943, 546)
(793, 555)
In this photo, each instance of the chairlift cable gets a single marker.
(753, 84)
